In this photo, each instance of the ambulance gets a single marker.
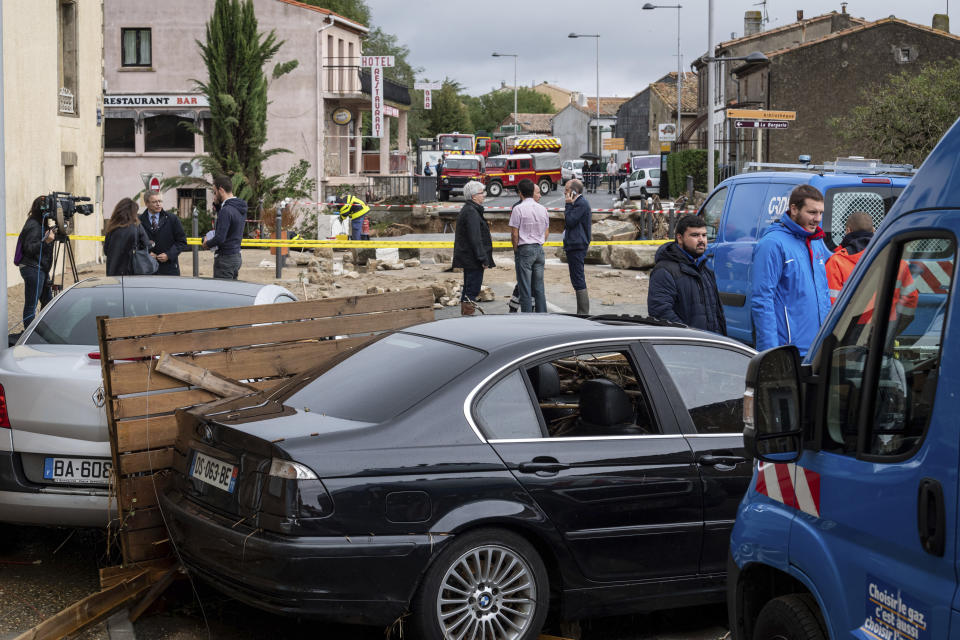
(850, 526)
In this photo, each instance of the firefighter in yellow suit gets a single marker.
(354, 208)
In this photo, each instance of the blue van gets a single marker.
(850, 526)
(740, 208)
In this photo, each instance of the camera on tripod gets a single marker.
(60, 207)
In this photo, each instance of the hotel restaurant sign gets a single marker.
(156, 100)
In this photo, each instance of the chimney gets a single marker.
(752, 22)
(941, 22)
(843, 8)
(799, 15)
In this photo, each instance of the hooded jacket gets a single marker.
(472, 245)
(844, 259)
(789, 298)
(231, 219)
(684, 292)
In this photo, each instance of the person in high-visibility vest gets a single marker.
(354, 208)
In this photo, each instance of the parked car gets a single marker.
(571, 169)
(509, 465)
(54, 447)
(640, 184)
(740, 208)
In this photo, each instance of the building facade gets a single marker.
(316, 111)
(52, 102)
(663, 108)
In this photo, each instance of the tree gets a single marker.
(901, 118)
(449, 113)
(487, 112)
(235, 53)
(356, 10)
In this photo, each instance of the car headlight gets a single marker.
(446, 180)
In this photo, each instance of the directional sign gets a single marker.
(760, 114)
(429, 86)
(760, 124)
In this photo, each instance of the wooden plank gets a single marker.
(240, 364)
(264, 334)
(140, 434)
(89, 610)
(152, 460)
(281, 312)
(199, 377)
(142, 518)
(146, 544)
(110, 576)
(159, 587)
(160, 403)
(141, 492)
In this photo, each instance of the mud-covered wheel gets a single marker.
(494, 189)
(792, 617)
(545, 187)
(488, 583)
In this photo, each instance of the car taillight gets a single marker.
(876, 181)
(649, 183)
(4, 418)
(293, 498)
(94, 355)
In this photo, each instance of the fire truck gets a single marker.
(506, 171)
(456, 143)
(458, 170)
(517, 144)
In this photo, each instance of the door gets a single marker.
(886, 464)
(705, 382)
(586, 436)
(511, 179)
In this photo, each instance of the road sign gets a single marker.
(613, 144)
(151, 181)
(760, 124)
(761, 114)
(666, 132)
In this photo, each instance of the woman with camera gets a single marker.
(124, 235)
(36, 255)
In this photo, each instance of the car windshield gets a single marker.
(496, 162)
(461, 163)
(456, 143)
(72, 317)
(361, 388)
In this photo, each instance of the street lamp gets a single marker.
(755, 57)
(514, 56)
(597, 36)
(679, 63)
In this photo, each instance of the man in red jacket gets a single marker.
(859, 230)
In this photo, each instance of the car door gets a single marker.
(705, 383)
(625, 498)
(511, 177)
(879, 532)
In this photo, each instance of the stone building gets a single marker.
(52, 108)
(842, 65)
(316, 111)
(576, 125)
(559, 96)
(638, 118)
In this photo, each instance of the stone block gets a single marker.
(630, 256)
(595, 255)
(611, 229)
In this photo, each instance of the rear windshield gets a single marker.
(384, 379)
(460, 163)
(72, 318)
(841, 202)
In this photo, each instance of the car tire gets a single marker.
(494, 189)
(443, 196)
(623, 195)
(792, 617)
(460, 565)
(544, 187)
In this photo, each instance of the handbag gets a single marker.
(143, 264)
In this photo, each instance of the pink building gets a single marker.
(151, 60)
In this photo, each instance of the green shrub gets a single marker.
(690, 162)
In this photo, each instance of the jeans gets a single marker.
(34, 280)
(575, 259)
(227, 267)
(472, 281)
(529, 261)
(356, 226)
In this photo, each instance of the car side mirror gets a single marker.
(771, 406)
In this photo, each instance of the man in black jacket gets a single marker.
(577, 235)
(231, 219)
(682, 288)
(164, 228)
(472, 245)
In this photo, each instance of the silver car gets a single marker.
(54, 447)
(571, 169)
(640, 184)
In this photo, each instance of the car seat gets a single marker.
(605, 410)
(546, 384)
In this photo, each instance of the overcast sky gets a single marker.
(454, 38)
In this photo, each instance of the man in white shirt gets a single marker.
(529, 229)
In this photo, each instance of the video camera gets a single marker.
(59, 208)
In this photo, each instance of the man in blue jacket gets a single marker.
(231, 219)
(577, 233)
(790, 297)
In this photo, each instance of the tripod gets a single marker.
(62, 249)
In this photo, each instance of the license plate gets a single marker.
(77, 470)
(216, 473)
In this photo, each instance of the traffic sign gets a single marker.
(151, 181)
(760, 124)
(612, 144)
(761, 114)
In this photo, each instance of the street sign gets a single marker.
(760, 124)
(666, 132)
(760, 114)
(614, 144)
(151, 181)
(664, 147)
(427, 86)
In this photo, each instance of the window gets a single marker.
(511, 165)
(840, 203)
(591, 395)
(710, 381)
(166, 133)
(890, 361)
(743, 217)
(505, 411)
(136, 48)
(654, 173)
(524, 163)
(69, 56)
(119, 134)
(712, 212)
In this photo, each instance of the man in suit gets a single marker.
(166, 232)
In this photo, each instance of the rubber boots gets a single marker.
(583, 302)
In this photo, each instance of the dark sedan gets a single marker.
(475, 472)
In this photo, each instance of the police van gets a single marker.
(850, 526)
(740, 209)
